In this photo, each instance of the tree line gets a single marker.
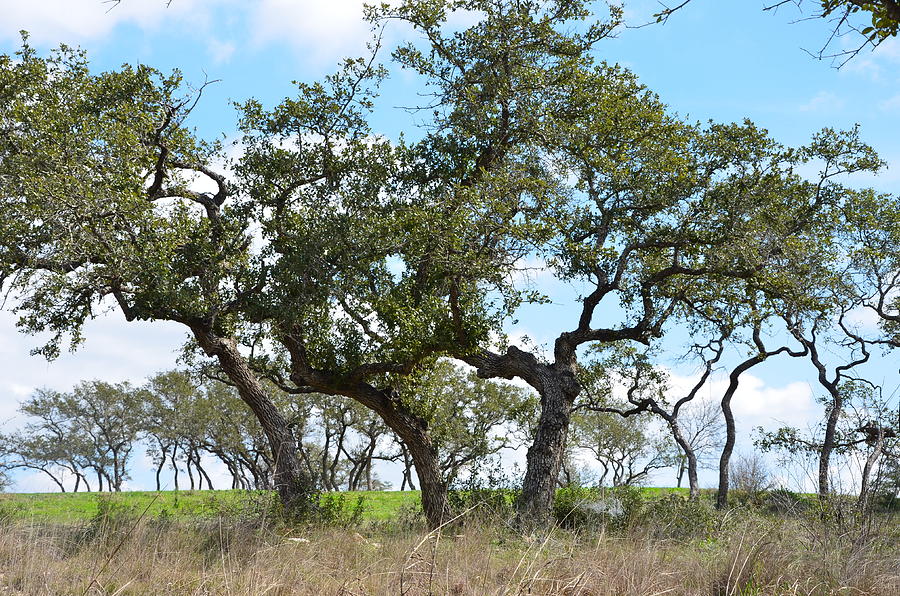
(329, 259)
(87, 438)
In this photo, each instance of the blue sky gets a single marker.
(715, 60)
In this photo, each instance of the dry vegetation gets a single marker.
(740, 553)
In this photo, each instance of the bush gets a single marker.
(493, 494)
(785, 502)
(336, 510)
(572, 506)
(243, 505)
(676, 516)
(887, 502)
(618, 507)
(113, 520)
(749, 477)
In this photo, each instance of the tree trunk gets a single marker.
(545, 455)
(871, 460)
(690, 458)
(727, 449)
(828, 445)
(434, 492)
(407, 468)
(203, 473)
(175, 466)
(162, 462)
(558, 387)
(413, 431)
(187, 466)
(294, 487)
(730, 430)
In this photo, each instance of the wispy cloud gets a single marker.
(892, 104)
(76, 21)
(220, 51)
(323, 31)
(823, 102)
(878, 64)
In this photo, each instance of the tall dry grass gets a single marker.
(746, 555)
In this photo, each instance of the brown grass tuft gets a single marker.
(749, 556)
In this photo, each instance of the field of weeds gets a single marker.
(672, 547)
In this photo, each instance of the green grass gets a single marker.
(75, 507)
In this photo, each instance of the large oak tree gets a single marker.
(337, 261)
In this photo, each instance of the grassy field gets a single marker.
(228, 542)
(76, 507)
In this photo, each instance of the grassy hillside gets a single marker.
(227, 542)
(74, 507)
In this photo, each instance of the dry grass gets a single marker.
(129, 555)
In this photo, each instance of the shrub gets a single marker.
(572, 506)
(785, 502)
(676, 516)
(336, 510)
(493, 494)
(615, 508)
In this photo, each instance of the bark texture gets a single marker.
(294, 486)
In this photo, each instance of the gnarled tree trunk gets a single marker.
(295, 488)
(545, 455)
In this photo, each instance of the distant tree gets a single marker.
(52, 450)
(627, 449)
(337, 262)
(704, 432)
(94, 427)
(749, 474)
(169, 401)
(694, 431)
(471, 418)
(620, 431)
(864, 432)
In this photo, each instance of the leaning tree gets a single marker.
(337, 261)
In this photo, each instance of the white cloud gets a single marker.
(73, 21)
(220, 51)
(863, 318)
(755, 403)
(115, 351)
(875, 64)
(758, 404)
(322, 30)
(823, 101)
(891, 104)
(531, 271)
(35, 481)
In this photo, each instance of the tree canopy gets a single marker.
(330, 259)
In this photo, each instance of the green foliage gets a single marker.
(249, 506)
(569, 506)
(676, 517)
(884, 15)
(343, 259)
(335, 509)
(782, 501)
(113, 520)
(614, 508)
(470, 419)
(90, 431)
(488, 495)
